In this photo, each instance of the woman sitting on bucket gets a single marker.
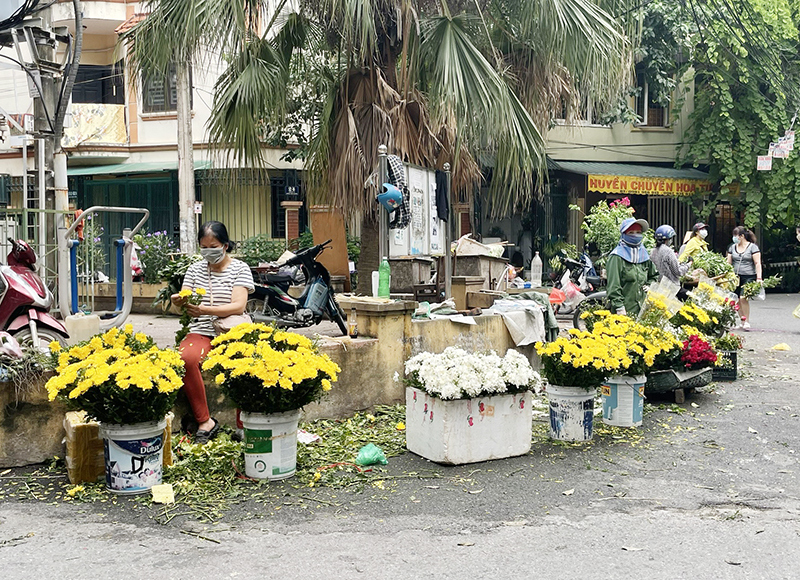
(629, 269)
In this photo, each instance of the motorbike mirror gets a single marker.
(563, 251)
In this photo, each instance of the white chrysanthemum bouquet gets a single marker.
(458, 374)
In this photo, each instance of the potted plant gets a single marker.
(574, 368)
(464, 407)
(623, 393)
(727, 347)
(269, 375)
(128, 384)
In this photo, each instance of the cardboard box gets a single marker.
(468, 430)
(85, 459)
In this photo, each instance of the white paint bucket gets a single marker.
(571, 413)
(133, 456)
(623, 400)
(270, 444)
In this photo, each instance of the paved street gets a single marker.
(705, 490)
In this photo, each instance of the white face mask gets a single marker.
(703, 234)
(213, 255)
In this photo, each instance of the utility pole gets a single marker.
(186, 194)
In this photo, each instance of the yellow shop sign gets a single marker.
(647, 185)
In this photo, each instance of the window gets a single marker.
(99, 84)
(650, 112)
(160, 93)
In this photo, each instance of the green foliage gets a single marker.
(154, 253)
(602, 223)
(260, 248)
(666, 33)
(729, 341)
(712, 264)
(746, 91)
(173, 273)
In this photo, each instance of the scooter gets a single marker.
(25, 301)
(271, 302)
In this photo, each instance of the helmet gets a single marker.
(390, 197)
(664, 233)
(699, 226)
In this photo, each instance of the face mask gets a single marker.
(735, 239)
(703, 234)
(213, 255)
(633, 239)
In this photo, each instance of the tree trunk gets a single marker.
(186, 198)
(369, 259)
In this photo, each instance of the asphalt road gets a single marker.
(705, 490)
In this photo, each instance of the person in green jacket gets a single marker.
(629, 269)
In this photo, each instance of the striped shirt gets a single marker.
(218, 289)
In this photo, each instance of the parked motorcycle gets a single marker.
(25, 301)
(271, 302)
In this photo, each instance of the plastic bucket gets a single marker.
(133, 455)
(571, 413)
(623, 400)
(270, 444)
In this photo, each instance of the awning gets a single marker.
(625, 178)
(125, 168)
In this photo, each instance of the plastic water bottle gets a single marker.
(536, 271)
(384, 272)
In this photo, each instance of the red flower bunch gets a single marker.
(732, 304)
(697, 353)
(626, 201)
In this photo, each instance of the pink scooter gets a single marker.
(25, 301)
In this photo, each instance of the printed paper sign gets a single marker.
(764, 163)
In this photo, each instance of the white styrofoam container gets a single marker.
(468, 430)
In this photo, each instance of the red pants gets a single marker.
(193, 349)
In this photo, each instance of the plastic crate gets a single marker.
(728, 371)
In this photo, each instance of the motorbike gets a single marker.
(271, 302)
(25, 301)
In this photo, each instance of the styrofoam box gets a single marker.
(468, 430)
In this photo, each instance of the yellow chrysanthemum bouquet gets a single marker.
(266, 370)
(582, 360)
(119, 377)
(647, 347)
(194, 297)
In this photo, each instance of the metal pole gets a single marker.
(383, 216)
(448, 258)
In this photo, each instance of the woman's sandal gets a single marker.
(202, 436)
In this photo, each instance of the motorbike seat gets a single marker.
(279, 279)
(595, 281)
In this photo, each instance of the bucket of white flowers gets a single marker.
(464, 407)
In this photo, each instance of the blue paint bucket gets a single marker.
(571, 413)
(133, 456)
(623, 400)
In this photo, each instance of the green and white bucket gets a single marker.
(623, 400)
(270, 444)
(133, 456)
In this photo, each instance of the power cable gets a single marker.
(38, 86)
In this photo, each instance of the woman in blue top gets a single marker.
(745, 257)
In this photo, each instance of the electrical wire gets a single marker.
(38, 88)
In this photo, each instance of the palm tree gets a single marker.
(470, 82)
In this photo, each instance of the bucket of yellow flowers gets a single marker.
(575, 367)
(128, 384)
(623, 392)
(269, 374)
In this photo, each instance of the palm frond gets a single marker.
(250, 93)
(466, 88)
